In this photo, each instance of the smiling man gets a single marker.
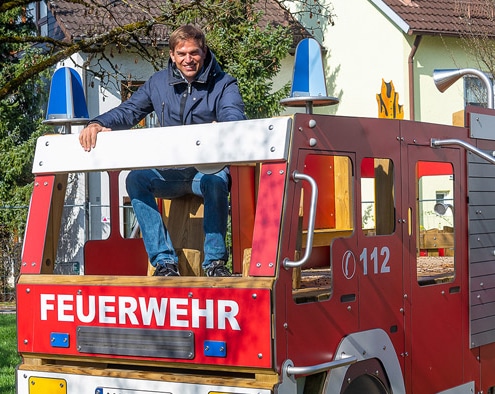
(193, 89)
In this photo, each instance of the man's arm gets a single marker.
(125, 116)
(231, 106)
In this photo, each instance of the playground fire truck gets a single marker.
(349, 275)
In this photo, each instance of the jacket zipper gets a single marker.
(163, 114)
(183, 102)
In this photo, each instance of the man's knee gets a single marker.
(136, 181)
(213, 185)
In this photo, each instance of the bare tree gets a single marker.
(139, 27)
(476, 19)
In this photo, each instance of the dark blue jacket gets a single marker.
(213, 96)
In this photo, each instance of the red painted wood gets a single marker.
(37, 224)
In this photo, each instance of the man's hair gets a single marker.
(187, 32)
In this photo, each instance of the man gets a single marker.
(192, 89)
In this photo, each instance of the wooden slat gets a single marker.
(437, 240)
(263, 379)
(343, 180)
(324, 237)
(186, 281)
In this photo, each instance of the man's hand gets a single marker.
(87, 136)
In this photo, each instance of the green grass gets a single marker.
(8, 353)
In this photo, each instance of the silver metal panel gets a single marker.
(466, 388)
(212, 145)
(482, 126)
(366, 345)
(135, 342)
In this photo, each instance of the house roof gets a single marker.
(441, 17)
(77, 21)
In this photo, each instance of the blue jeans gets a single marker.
(144, 185)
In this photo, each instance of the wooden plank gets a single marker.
(481, 184)
(483, 338)
(483, 325)
(187, 281)
(343, 188)
(481, 226)
(437, 240)
(54, 223)
(238, 377)
(484, 296)
(324, 237)
(184, 220)
(477, 241)
(484, 282)
(458, 118)
(481, 259)
(480, 311)
(480, 169)
(480, 269)
(481, 198)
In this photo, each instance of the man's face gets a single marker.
(189, 58)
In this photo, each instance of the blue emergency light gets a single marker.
(67, 102)
(308, 81)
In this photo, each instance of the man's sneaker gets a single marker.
(166, 269)
(217, 268)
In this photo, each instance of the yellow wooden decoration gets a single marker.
(388, 102)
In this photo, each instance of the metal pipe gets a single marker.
(312, 369)
(438, 143)
(410, 60)
(311, 221)
(445, 78)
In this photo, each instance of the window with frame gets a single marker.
(435, 223)
(475, 92)
(377, 196)
(333, 175)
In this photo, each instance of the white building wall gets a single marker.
(365, 46)
(439, 53)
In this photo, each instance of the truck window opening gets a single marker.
(377, 196)
(334, 177)
(435, 223)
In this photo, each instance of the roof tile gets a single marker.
(446, 17)
(78, 21)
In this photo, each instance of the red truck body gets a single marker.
(345, 279)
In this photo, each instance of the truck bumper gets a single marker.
(34, 381)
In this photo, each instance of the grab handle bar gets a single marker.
(297, 176)
(312, 369)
